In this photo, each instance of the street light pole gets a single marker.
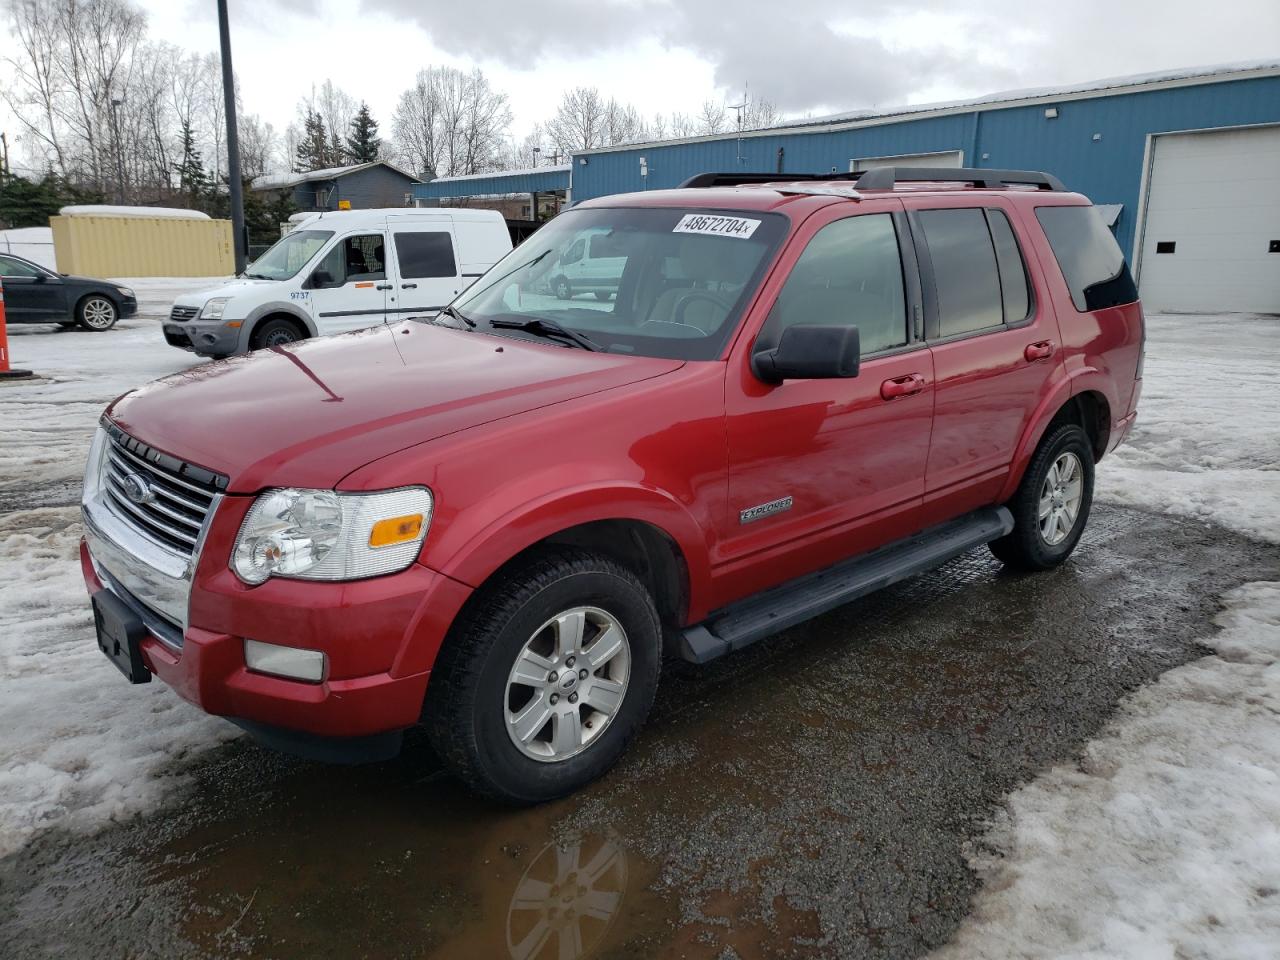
(233, 142)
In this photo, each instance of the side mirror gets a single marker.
(41, 278)
(321, 278)
(809, 351)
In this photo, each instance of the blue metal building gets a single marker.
(1102, 139)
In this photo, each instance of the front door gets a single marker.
(32, 295)
(349, 286)
(995, 347)
(823, 469)
(428, 266)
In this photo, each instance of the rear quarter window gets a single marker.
(1089, 257)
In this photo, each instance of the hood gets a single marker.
(201, 297)
(309, 413)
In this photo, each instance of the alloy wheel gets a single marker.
(567, 684)
(98, 313)
(1060, 497)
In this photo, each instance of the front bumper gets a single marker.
(380, 638)
(214, 339)
(128, 307)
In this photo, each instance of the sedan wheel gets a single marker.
(97, 313)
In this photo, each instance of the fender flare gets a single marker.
(502, 537)
(271, 308)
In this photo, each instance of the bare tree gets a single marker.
(584, 120)
(711, 118)
(451, 123)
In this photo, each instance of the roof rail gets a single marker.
(886, 178)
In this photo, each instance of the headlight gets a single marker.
(124, 291)
(323, 535)
(213, 309)
(93, 466)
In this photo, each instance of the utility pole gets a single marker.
(233, 143)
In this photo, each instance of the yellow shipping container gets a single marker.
(104, 245)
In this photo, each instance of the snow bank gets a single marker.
(1164, 840)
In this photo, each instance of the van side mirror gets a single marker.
(809, 351)
(321, 279)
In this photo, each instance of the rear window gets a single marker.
(1089, 257)
(425, 254)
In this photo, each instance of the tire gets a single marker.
(97, 313)
(1062, 462)
(275, 332)
(476, 706)
(602, 295)
(562, 288)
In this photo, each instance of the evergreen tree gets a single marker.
(30, 203)
(313, 150)
(363, 143)
(194, 182)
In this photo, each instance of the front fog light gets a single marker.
(291, 662)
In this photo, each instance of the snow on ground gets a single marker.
(1164, 840)
(77, 745)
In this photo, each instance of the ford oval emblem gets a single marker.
(137, 488)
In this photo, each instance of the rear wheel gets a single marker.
(275, 333)
(97, 313)
(546, 679)
(1052, 504)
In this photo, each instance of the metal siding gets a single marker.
(1107, 171)
(106, 246)
(497, 185)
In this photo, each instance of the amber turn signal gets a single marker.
(389, 532)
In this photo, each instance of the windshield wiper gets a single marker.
(452, 311)
(548, 328)
(254, 276)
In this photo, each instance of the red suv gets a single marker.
(497, 521)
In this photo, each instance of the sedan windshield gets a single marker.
(656, 282)
(288, 255)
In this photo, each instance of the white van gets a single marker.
(342, 271)
(590, 265)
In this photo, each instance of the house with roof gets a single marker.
(360, 186)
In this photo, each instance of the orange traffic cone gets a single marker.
(6, 373)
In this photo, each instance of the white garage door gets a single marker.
(951, 158)
(1211, 242)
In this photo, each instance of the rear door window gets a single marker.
(1014, 290)
(425, 254)
(966, 277)
(1089, 257)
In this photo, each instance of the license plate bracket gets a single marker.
(120, 635)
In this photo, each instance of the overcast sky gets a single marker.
(666, 56)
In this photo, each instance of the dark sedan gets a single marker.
(33, 294)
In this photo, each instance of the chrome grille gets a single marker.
(183, 313)
(177, 496)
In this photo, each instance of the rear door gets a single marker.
(995, 344)
(349, 285)
(427, 260)
(32, 295)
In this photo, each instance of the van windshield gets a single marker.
(657, 282)
(288, 255)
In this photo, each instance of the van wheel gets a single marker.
(602, 295)
(97, 313)
(275, 333)
(546, 677)
(1052, 504)
(562, 288)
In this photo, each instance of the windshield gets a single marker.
(655, 282)
(288, 255)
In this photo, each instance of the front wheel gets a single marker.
(562, 288)
(97, 313)
(274, 333)
(546, 678)
(1052, 504)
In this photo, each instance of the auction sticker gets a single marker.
(715, 226)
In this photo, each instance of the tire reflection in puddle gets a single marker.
(567, 900)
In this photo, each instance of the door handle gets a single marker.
(408, 286)
(383, 286)
(902, 387)
(1042, 350)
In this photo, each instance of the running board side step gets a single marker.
(778, 608)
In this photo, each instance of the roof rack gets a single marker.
(886, 178)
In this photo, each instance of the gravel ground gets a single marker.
(816, 796)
